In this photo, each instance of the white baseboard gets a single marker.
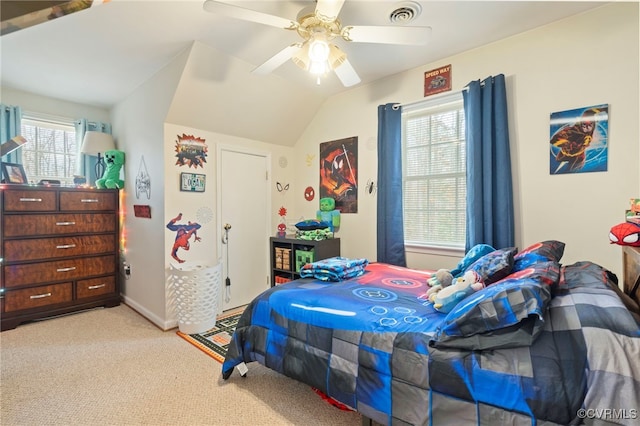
(160, 322)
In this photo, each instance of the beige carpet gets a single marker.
(113, 367)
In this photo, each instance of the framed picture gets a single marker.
(192, 182)
(14, 173)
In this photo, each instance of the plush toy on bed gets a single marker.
(111, 176)
(447, 298)
(441, 279)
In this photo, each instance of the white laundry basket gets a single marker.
(196, 289)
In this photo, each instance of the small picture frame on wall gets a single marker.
(192, 182)
(14, 173)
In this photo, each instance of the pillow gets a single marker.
(544, 251)
(494, 266)
(506, 314)
(475, 253)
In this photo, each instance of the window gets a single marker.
(51, 151)
(434, 180)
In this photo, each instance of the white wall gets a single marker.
(30, 102)
(585, 60)
(138, 126)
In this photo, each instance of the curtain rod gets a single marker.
(439, 95)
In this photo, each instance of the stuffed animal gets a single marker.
(441, 279)
(625, 234)
(448, 298)
(111, 176)
(327, 213)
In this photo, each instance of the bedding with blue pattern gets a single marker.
(534, 348)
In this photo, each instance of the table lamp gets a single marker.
(95, 143)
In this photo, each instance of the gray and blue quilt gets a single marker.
(549, 344)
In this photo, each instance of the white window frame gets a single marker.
(427, 107)
(57, 124)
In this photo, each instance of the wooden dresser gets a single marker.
(59, 251)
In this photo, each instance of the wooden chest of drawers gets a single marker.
(58, 251)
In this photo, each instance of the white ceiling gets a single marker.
(100, 55)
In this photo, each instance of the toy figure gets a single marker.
(462, 287)
(438, 281)
(328, 213)
(111, 176)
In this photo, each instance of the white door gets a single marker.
(244, 204)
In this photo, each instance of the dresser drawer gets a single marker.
(37, 297)
(95, 287)
(16, 200)
(88, 200)
(61, 270)
(50, 248)
(56, 224)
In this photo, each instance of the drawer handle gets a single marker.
(65, 223)
(89, 200)
(32, 200)
(40, 296)
(66, 246)
(94, 287)
(72, 268)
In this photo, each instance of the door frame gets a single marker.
(220, 147)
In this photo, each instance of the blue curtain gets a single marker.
(489, 186)
(87, 163)
(390, 216)
(10, 123)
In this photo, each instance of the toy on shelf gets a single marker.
(111, 176)
(328, 213)
(625, 234)
(449, 297)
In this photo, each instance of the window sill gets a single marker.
(435, 250)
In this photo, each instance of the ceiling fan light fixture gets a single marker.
(319, 50)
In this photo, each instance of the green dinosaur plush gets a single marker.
(111, 176)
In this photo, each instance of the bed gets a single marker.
(543, 343)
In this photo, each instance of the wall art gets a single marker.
(437, 80)
(192, 182)
(339, 173)
(191, 151)
(143, 181)
(579, 140)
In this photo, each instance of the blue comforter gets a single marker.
(375, 344)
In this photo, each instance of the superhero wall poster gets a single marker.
(339, 173)
(579, 140)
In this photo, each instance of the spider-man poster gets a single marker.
(339, 173)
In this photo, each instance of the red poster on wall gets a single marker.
(437, 80)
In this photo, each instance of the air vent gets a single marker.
(405, 12)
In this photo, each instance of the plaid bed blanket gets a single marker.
(368, 342)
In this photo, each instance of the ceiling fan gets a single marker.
(318, 26)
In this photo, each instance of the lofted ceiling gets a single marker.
(99, 55)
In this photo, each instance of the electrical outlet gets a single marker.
(127, 270)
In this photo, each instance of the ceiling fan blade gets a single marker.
(278, 59)
(387, 35)
(347, 75)
(248, 14)
(328, 10)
